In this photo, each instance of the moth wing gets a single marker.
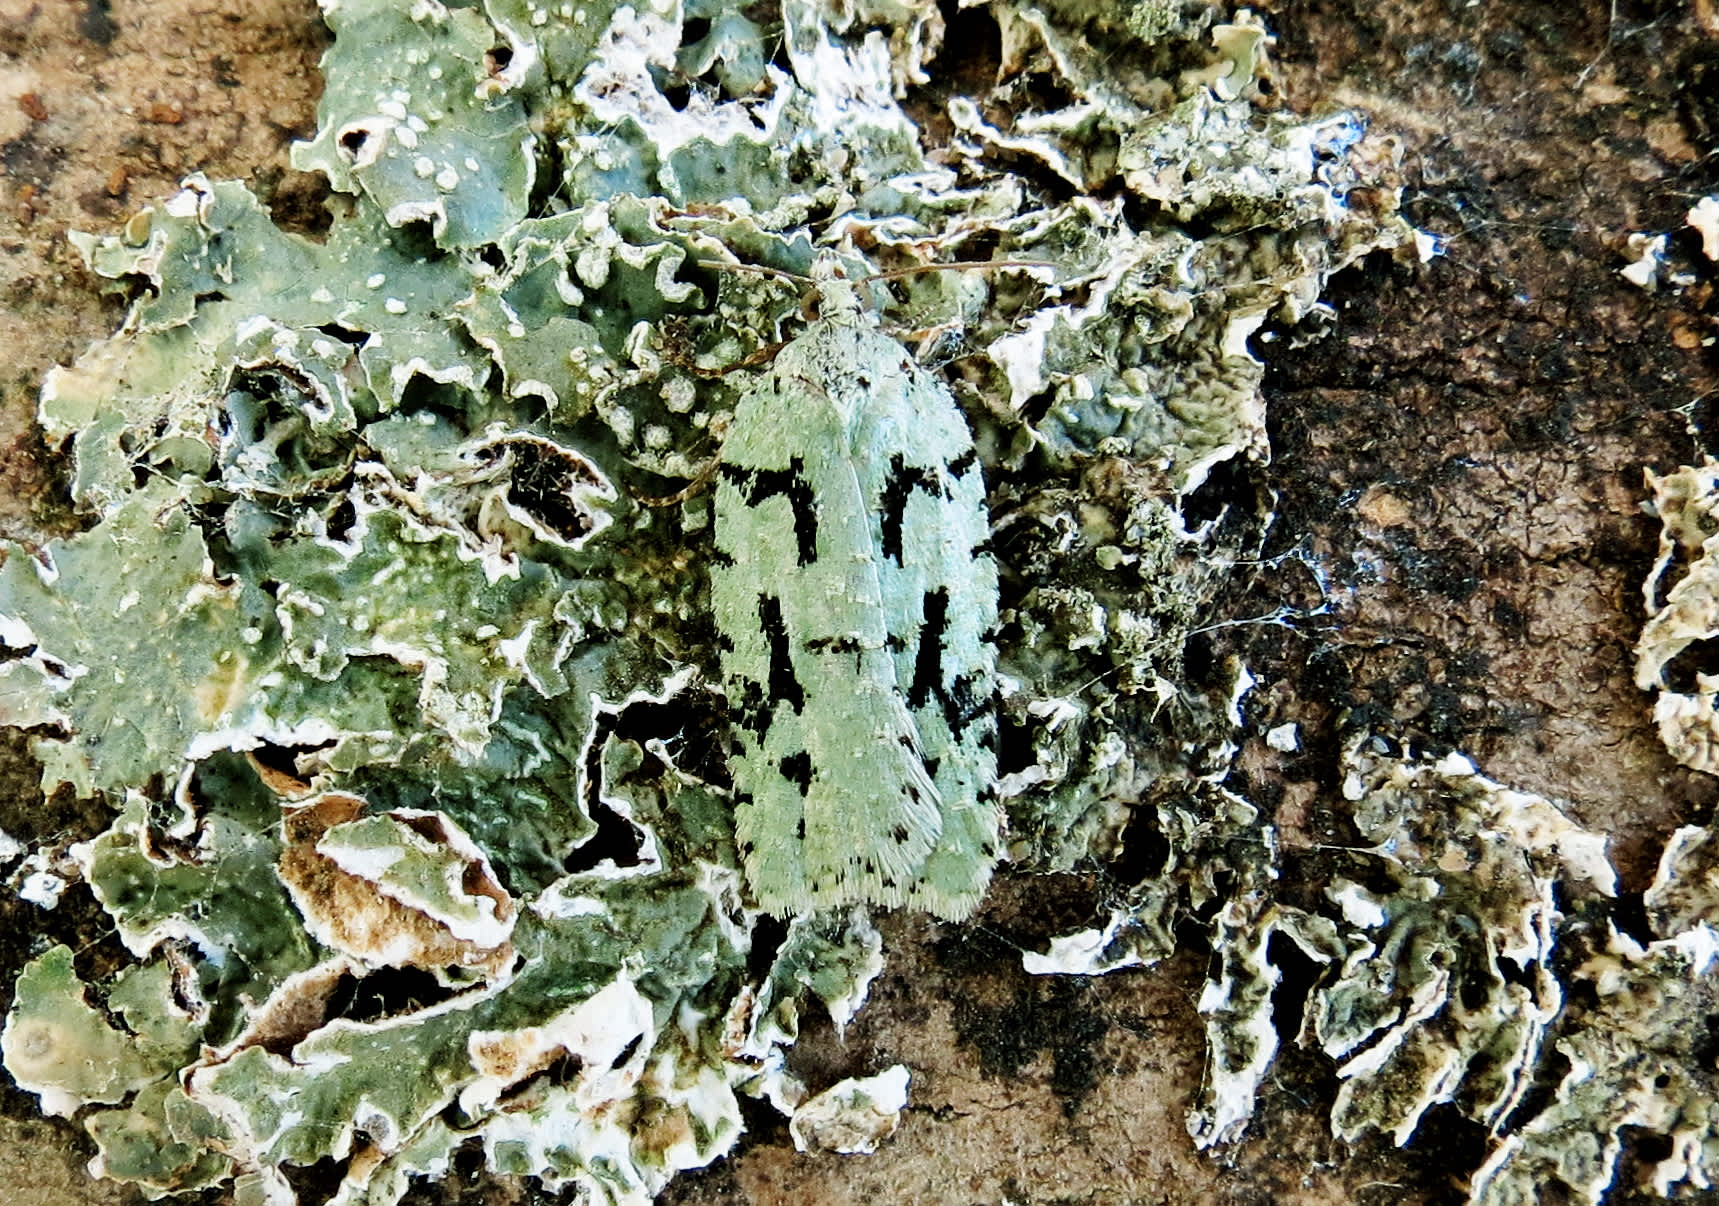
(939, 590)
(833, 801)
(864, 818)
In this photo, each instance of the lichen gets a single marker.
(1472, 958)
(390, 637)
(1682, 593)
(852, 1116)
(1467, 954)
(1636, 1053)
(1442, 983)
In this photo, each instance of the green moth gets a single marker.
(853, 595)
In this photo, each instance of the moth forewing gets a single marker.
(852, 600)
(940, 590)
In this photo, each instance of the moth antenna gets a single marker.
(699, 483)
(954, 265)
(890, 275)
(763, 355)
(760, 269)
(950, 266)
(808, 289)
(696, 486)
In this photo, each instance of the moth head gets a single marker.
(832, 296)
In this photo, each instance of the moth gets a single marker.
(853, 594)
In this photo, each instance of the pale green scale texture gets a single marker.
(940, 536)
(854, 795)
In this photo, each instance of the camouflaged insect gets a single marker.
(853, 597)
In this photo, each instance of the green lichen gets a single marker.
(1472, 960)
(414, 117)
(1444, 984)
(1682, 593)
(214, 897)
(63, 1049)
(1636, 1054)
(389, 639)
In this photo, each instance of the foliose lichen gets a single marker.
(1473, 958)
(1636, 1051)
(389, 638)
(1682, 596)
(1441, 984)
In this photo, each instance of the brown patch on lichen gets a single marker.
(351, 914)
(294, 1010)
